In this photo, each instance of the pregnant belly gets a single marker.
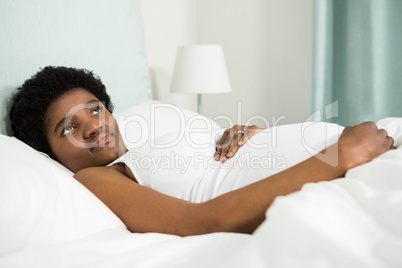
(265, 154)
(184, 169)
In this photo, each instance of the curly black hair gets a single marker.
(33, 98)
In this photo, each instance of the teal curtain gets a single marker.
(357, 73)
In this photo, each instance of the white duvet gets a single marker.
(354, 221)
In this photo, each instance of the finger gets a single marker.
(217, 154)
(249, 132)
(390, 142)
(220, 144)
(221, 152)
(224, 152)
(243, 138)
(383, 132)
(247, 135)
(234, 146)
(223, 138)
(225, 146)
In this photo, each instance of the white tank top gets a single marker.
(187, 170)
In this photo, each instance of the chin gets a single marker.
(111, 154)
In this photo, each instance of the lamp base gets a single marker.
(199, 103)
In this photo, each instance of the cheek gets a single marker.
(67, 153)
(72, 149)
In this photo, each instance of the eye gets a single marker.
(67, 129)
(97, 109)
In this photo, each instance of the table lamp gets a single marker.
(200, 69)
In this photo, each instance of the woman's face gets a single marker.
(81, 131)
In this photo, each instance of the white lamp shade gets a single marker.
(200, 69)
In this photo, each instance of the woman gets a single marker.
(58, 111)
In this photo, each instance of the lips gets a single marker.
(100, 141)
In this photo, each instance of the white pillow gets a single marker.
(41, 203)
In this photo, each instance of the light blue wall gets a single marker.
(103, 36)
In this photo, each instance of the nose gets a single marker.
(92, 128)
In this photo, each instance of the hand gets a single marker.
(362, 143)
(232, 139)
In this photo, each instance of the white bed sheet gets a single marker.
(354, 221)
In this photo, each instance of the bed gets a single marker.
(48, 219)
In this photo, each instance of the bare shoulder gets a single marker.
(109, 174)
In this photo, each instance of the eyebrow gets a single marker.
(62, 121)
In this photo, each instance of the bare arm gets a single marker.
(145, 210)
